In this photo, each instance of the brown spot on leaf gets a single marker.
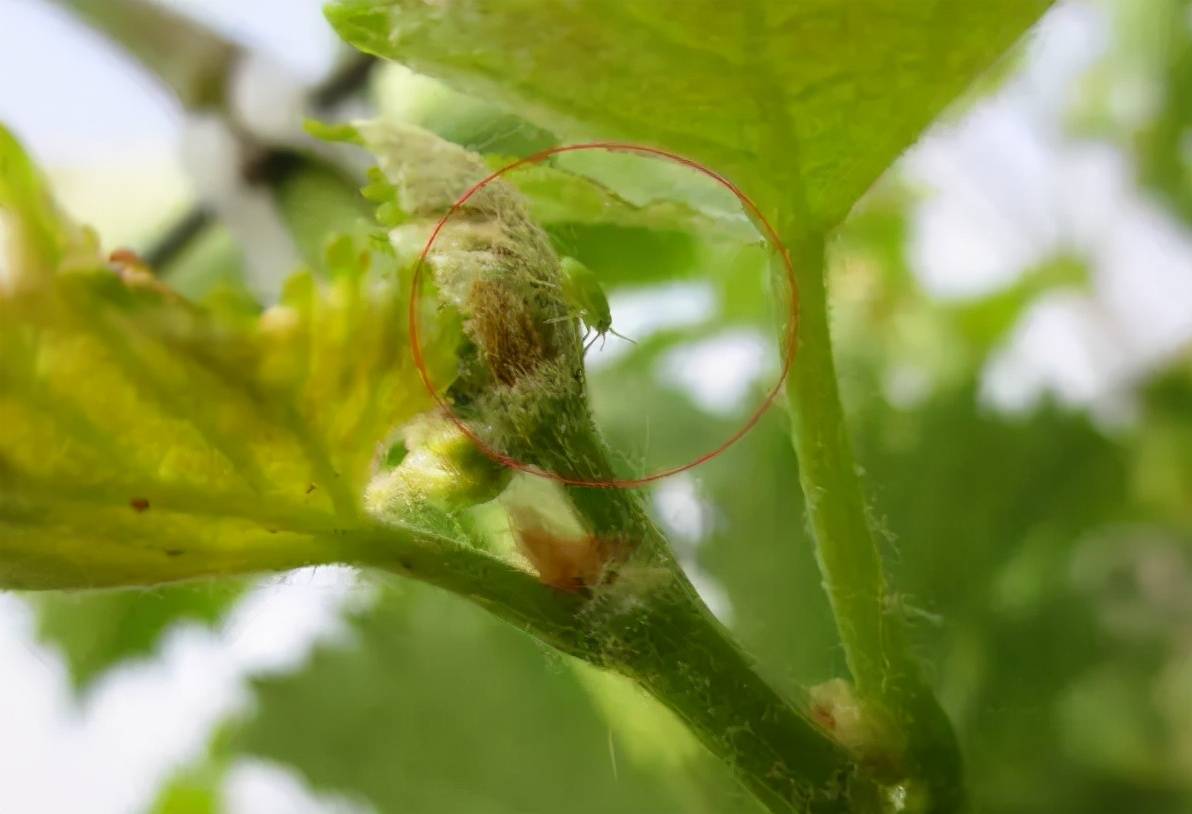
(139, 505)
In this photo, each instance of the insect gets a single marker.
(582, 289)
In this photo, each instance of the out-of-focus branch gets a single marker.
(198, 66)
(343, 82)
(267, 165)
(194, 62)
(181, 234)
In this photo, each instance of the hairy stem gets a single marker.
(677, 651)
(651, 627)
(650, 624)
(886, 676)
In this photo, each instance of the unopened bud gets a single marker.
(441, 466)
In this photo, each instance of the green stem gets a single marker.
(652, 627)
(676, 650)
(648, 622)
(886, 676)
(190, 60)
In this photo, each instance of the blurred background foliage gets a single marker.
(1043, 556)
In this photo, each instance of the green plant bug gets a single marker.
(582, 289)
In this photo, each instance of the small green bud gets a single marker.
(441, 466)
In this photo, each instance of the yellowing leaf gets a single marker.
(145, 439)
(34, 239)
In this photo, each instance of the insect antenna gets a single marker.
(622, 336)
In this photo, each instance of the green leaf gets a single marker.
(986, 516)
(185, 795)
(1163, 462)
(808, 101)
(883, 319)
(197, 787)
(1149, 61)
(95, 632)
(986, 323)
(402, 95)
(557, 195)
(431, 706)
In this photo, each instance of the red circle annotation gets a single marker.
(769, 233)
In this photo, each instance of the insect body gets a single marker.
(582, 289)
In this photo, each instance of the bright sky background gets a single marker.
(1007, 188)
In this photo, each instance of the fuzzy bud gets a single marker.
(436, 464)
